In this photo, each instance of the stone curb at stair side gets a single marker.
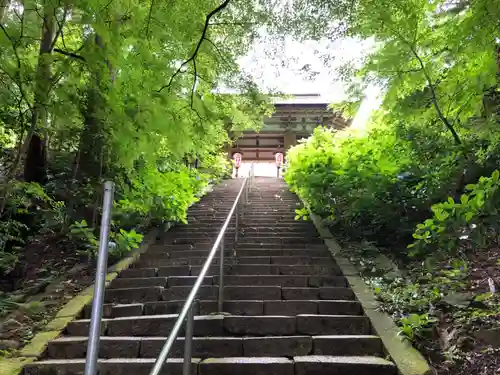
(71, 310)
(408, 360)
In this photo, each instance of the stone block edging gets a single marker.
(408, 360)
(71, 310)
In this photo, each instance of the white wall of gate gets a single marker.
(261, 169)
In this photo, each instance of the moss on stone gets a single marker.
(58, 324)
(74, 306)
(13, 366)
(39, 343)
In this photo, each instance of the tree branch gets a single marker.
(69, 54)
(220, 53)
(434, 99)
(149, 18)
(200, 42)
(60, 26)
(195, 80)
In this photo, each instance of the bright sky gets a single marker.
(322, 59)
(270, 74)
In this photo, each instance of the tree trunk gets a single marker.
(35, 165)
(93, 136)
(491, 98)
(4, 4)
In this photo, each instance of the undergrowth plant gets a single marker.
(471, 220)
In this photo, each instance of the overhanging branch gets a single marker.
(209, 16)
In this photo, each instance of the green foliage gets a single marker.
(218, 166)
(381, 185)
(472, 219)
(416, 326)
(80, 232)
(130, 92)
(354, 181)
(121, 241)
(301, 214)
(155, 197)
(124, 241)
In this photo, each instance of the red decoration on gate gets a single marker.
(279, 158)
(237, 159)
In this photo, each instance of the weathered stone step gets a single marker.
(328, 268)
(287, 230)
(263, 223)
(165, 282)
(242, 307)
(295, 276)
(115, 366)
(264, 244)
(218, 347)
(195, 229)
(181, 254)
(281, 252)
(283, 280)
(355, 365)
(283, 260)
(194, 241)
(197, 236)
(281, 239)
(274, 221)
(307, 365)
(256, 214)
(233, 325)
(202, 245)
(239, 292)
(229, 252)
(303, 365)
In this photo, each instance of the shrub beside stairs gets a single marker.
(288, 308)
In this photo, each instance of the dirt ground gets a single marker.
(47, 276)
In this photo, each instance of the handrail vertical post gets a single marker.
(246, 191)
(100, 282)
(188, 342)
(220, 301)
(236, 218)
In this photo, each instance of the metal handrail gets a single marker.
(100, 282)
(187, 309)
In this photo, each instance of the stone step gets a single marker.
(230, 269)
(219, 347)
(300, 365)
(269, 245)
(281, 252)
(271, 222)
(176, 254)
(281, 239)
(286, 231)
(233, 325)
(328, 268)
(165, 282)
(183, 243)
(283, 280)
(115, 366)
(242, 307)
(287, 308)
(196, 229)
(283, 260)
(306, 365)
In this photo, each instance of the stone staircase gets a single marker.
(287, 307)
